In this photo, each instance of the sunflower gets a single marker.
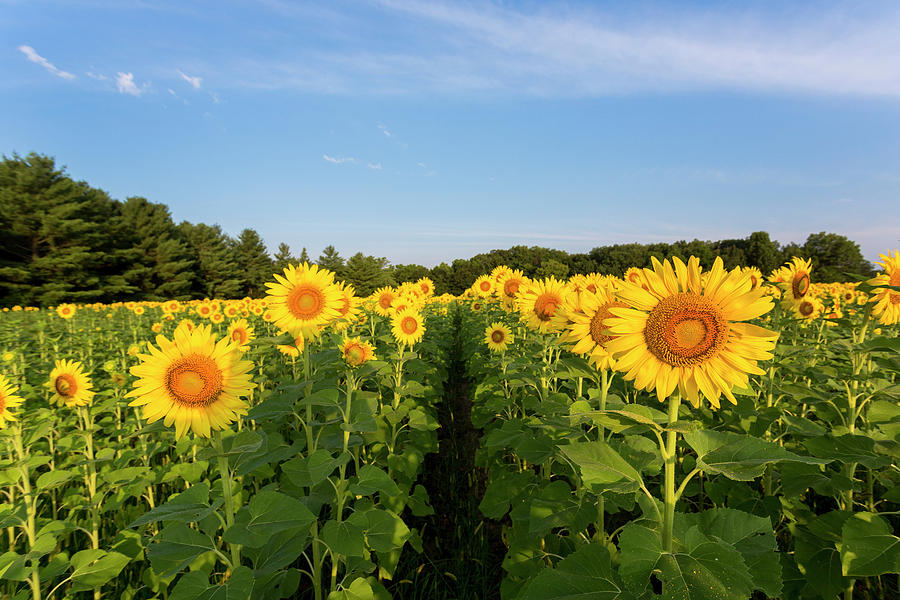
(240, 332)
(539, 304)
(171, 306)
(509, 283)
(636, 276)
(356, 352)
(808, 308)
(407, 326)
(586, 328)
(70, 385)
(497, 337)
(348, 308)
(688, 334)
(304, 299)
(756, 277)
(426, 286)
(795, 279)
(292, 350)
(193, 381)
(384, 297)
(156, 327)
(217, 318)
(887, 301)
(66, 311)
(483, 286)
(8, 399)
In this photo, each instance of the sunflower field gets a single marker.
(677, 433)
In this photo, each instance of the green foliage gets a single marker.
(366, 273)
(254, 263)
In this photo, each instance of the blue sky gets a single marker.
(427, 131)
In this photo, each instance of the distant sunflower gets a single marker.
(70, 385)
(426, 286)
(66, 311)
(887, 301)
(193, 381)
(587, 329)
(384, 297)
(539, 303)
(217, 318)
(483, 286)
(795, 280)
(635, 276)
(407, 326)
(756, 277)
(241, 333)
(304, 299)
(685, 333)
(8, 400)
(509, 283)
(348, 307)
(808, 308)
(356, 352)
(497, 336)
(156, 328)
(204, 310)
(292, 350)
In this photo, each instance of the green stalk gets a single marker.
(90, 480)
(31, 510)
(225, 474)
(601, 434)
(669, 483)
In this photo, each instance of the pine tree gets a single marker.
(62, 240)
(367, 273)
(283, 257)
(163, 268)
(254, 262)
(331, 260)
(219, 275)
(304, 256)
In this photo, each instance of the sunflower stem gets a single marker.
(30, 508)
(601, 434)
(225, 474)
(669, 452)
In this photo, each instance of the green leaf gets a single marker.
(195, 586)
(12, 567)
(177, 546)
(820, 563)
(372, 479)
(274, 512)
(358, 590)
(53, 479)
(279, 551)
(345, 538)
(739, 457)
(93, 568)
(308, 471)
(13, 515)
(586, 574)
(868, 547)
(700, 569)
(847, 449)
(189, 506)
(126, 475)
(383, 529)
(750, 535)
(601, 467)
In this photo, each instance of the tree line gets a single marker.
(62, 240)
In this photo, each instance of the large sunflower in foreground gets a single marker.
(70, 385)
(193, 381)
(887, 302)
(686, 333)
(304, 299)
(586, 328)
(407, 326)
(539, 303)
(8, 400)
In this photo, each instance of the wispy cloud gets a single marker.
(375, 166)
(339, 160)
(96, 76)
(126, 85)
(36, 58)
(194, 81)
(384, 129)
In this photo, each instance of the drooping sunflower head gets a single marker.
(8, 400)
(887, 301)
(756, 277)
(539, 304)
(795, 279)
(384, 297)
(356, 352)
(304, 299)
(686, 331)
(241, 333)
(66, 311)
(407, 326)
(69, 384)
(586, 328)
(292, 350)
(498, 337)
(193, 381)
(483, 286)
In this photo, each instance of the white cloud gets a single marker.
(125, 84)
(194, 81)
(340, 160)
(215, 97)
(375, 166)
(96, 76)
(36, 58)
(384, 129)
